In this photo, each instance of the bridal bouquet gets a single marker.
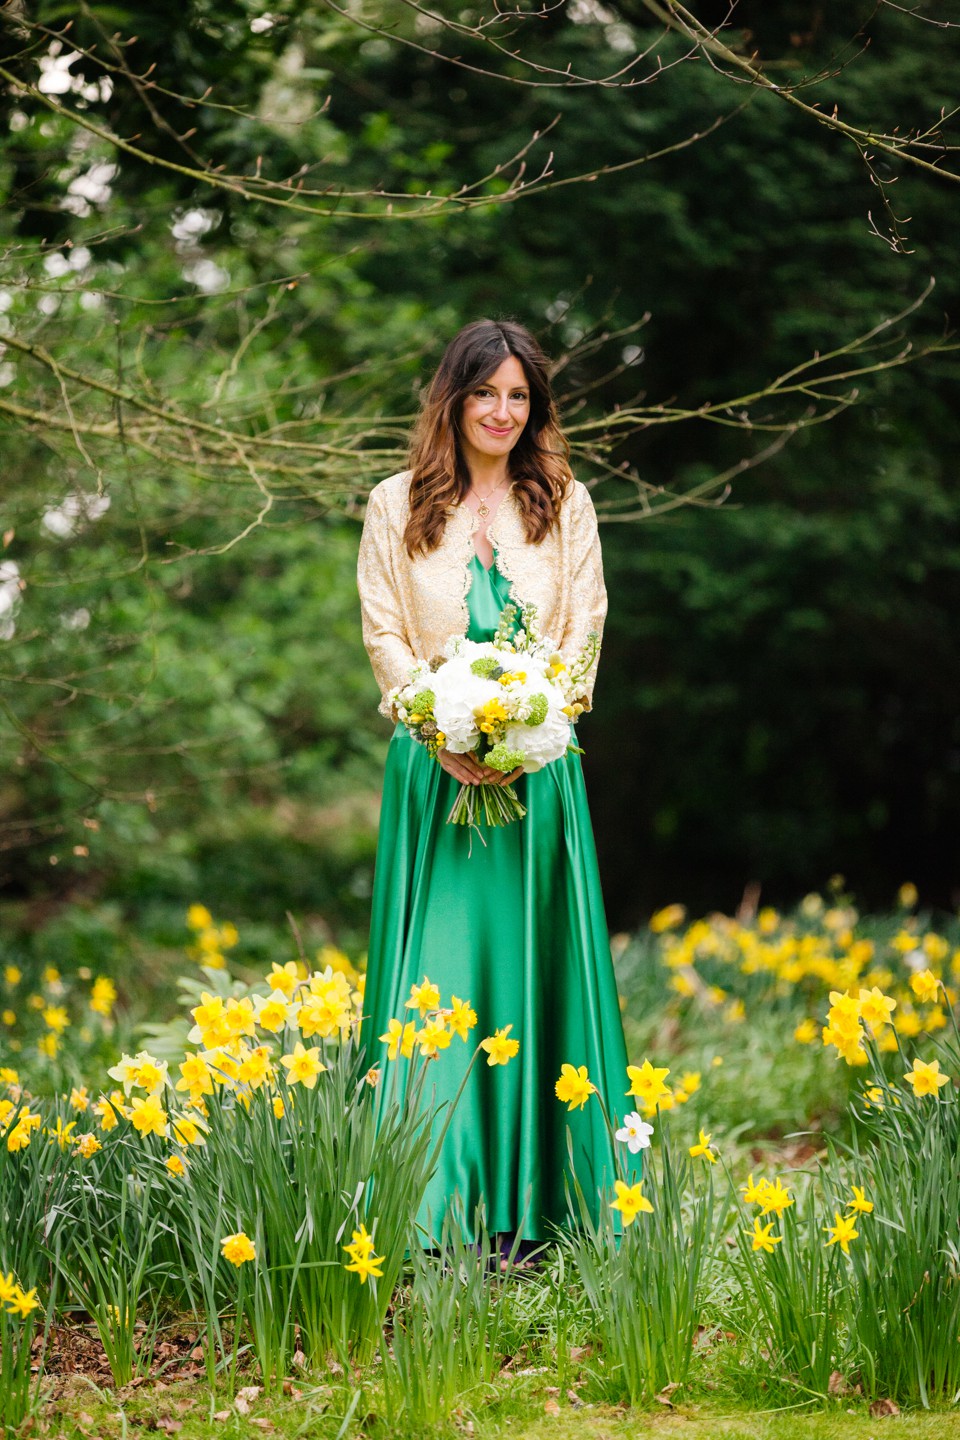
(510, 701)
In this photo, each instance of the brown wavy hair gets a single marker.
(538, 463)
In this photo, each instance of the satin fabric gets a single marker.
(515, 926)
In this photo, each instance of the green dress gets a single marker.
(517, 928)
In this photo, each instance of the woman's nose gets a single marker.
(501, 411)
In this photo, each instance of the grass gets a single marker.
(522, 1408)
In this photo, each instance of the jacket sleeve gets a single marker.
(384, 633)
(587, 595)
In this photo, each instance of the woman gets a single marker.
(488, 512)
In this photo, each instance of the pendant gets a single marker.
(483, 510)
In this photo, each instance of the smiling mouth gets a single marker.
(497, 430)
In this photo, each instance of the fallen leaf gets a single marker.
(221, 1415)
(880, 1408)
(169, 1425)
(245, 1398)
(664, 1396)
(262, 1422)
(575, 1400)
(196, 1353)
(84, 1419)
(551, 1407)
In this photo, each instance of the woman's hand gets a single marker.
(468, 770)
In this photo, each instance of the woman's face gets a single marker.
(493, 415)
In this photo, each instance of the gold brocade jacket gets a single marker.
(411, 608)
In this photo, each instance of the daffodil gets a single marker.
(433, 1037)
(761, 1237)
(303, 1066)
(271, 1011)
(62, 1134)
(238, 1248)
(499, 1048)
(88, 1145)
(753, 1193)
(79, 1099)
(925, 986)
(399, 1039)
(876, 1009)
(148, 1116)
(461, 1017)
(635, 1133)
(574, 1087)
(423, 997)
(776, 1198)
(22, 1302)
(630, 1201)
(926, 1078)
(647, 1082)
(702, 1147)
(195, 1076)
(176, 1165)
(103, 994)
(860, 1204)
(284, 978)
(365, 1266)
(842, 1231)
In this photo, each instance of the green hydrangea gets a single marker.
(488, 667)
(538, 710)
(423, 702)
(500, 758)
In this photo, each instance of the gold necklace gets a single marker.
(483, 509)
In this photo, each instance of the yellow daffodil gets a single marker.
(103, 995)
(199, 917)
(926, 1078)
(500, 1050)
(423, 997)
(303, 1066)
(461, 1017)
(271, 1011)
(195, 1075)
(925, 986)
(148, 1116)
(702, 1147)
(630, 1201)
(399, 1039)
(761, 1237)
(574, 1087)
(842, 1231)
(62, 1134)
(668, 918)
(284, 978)
(87, 1145)
(238, 1249)
(753, 1193)
(176, 1165)
(876, 1009)
(365, 1265)
(79, 1099)
(647, 1082)
(806, 1032)
(433, 1037)
(859, 1203)
(776, 1198)
(22, 1302)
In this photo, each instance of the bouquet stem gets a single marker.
(482, 805)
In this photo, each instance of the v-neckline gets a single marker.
(485, 568)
